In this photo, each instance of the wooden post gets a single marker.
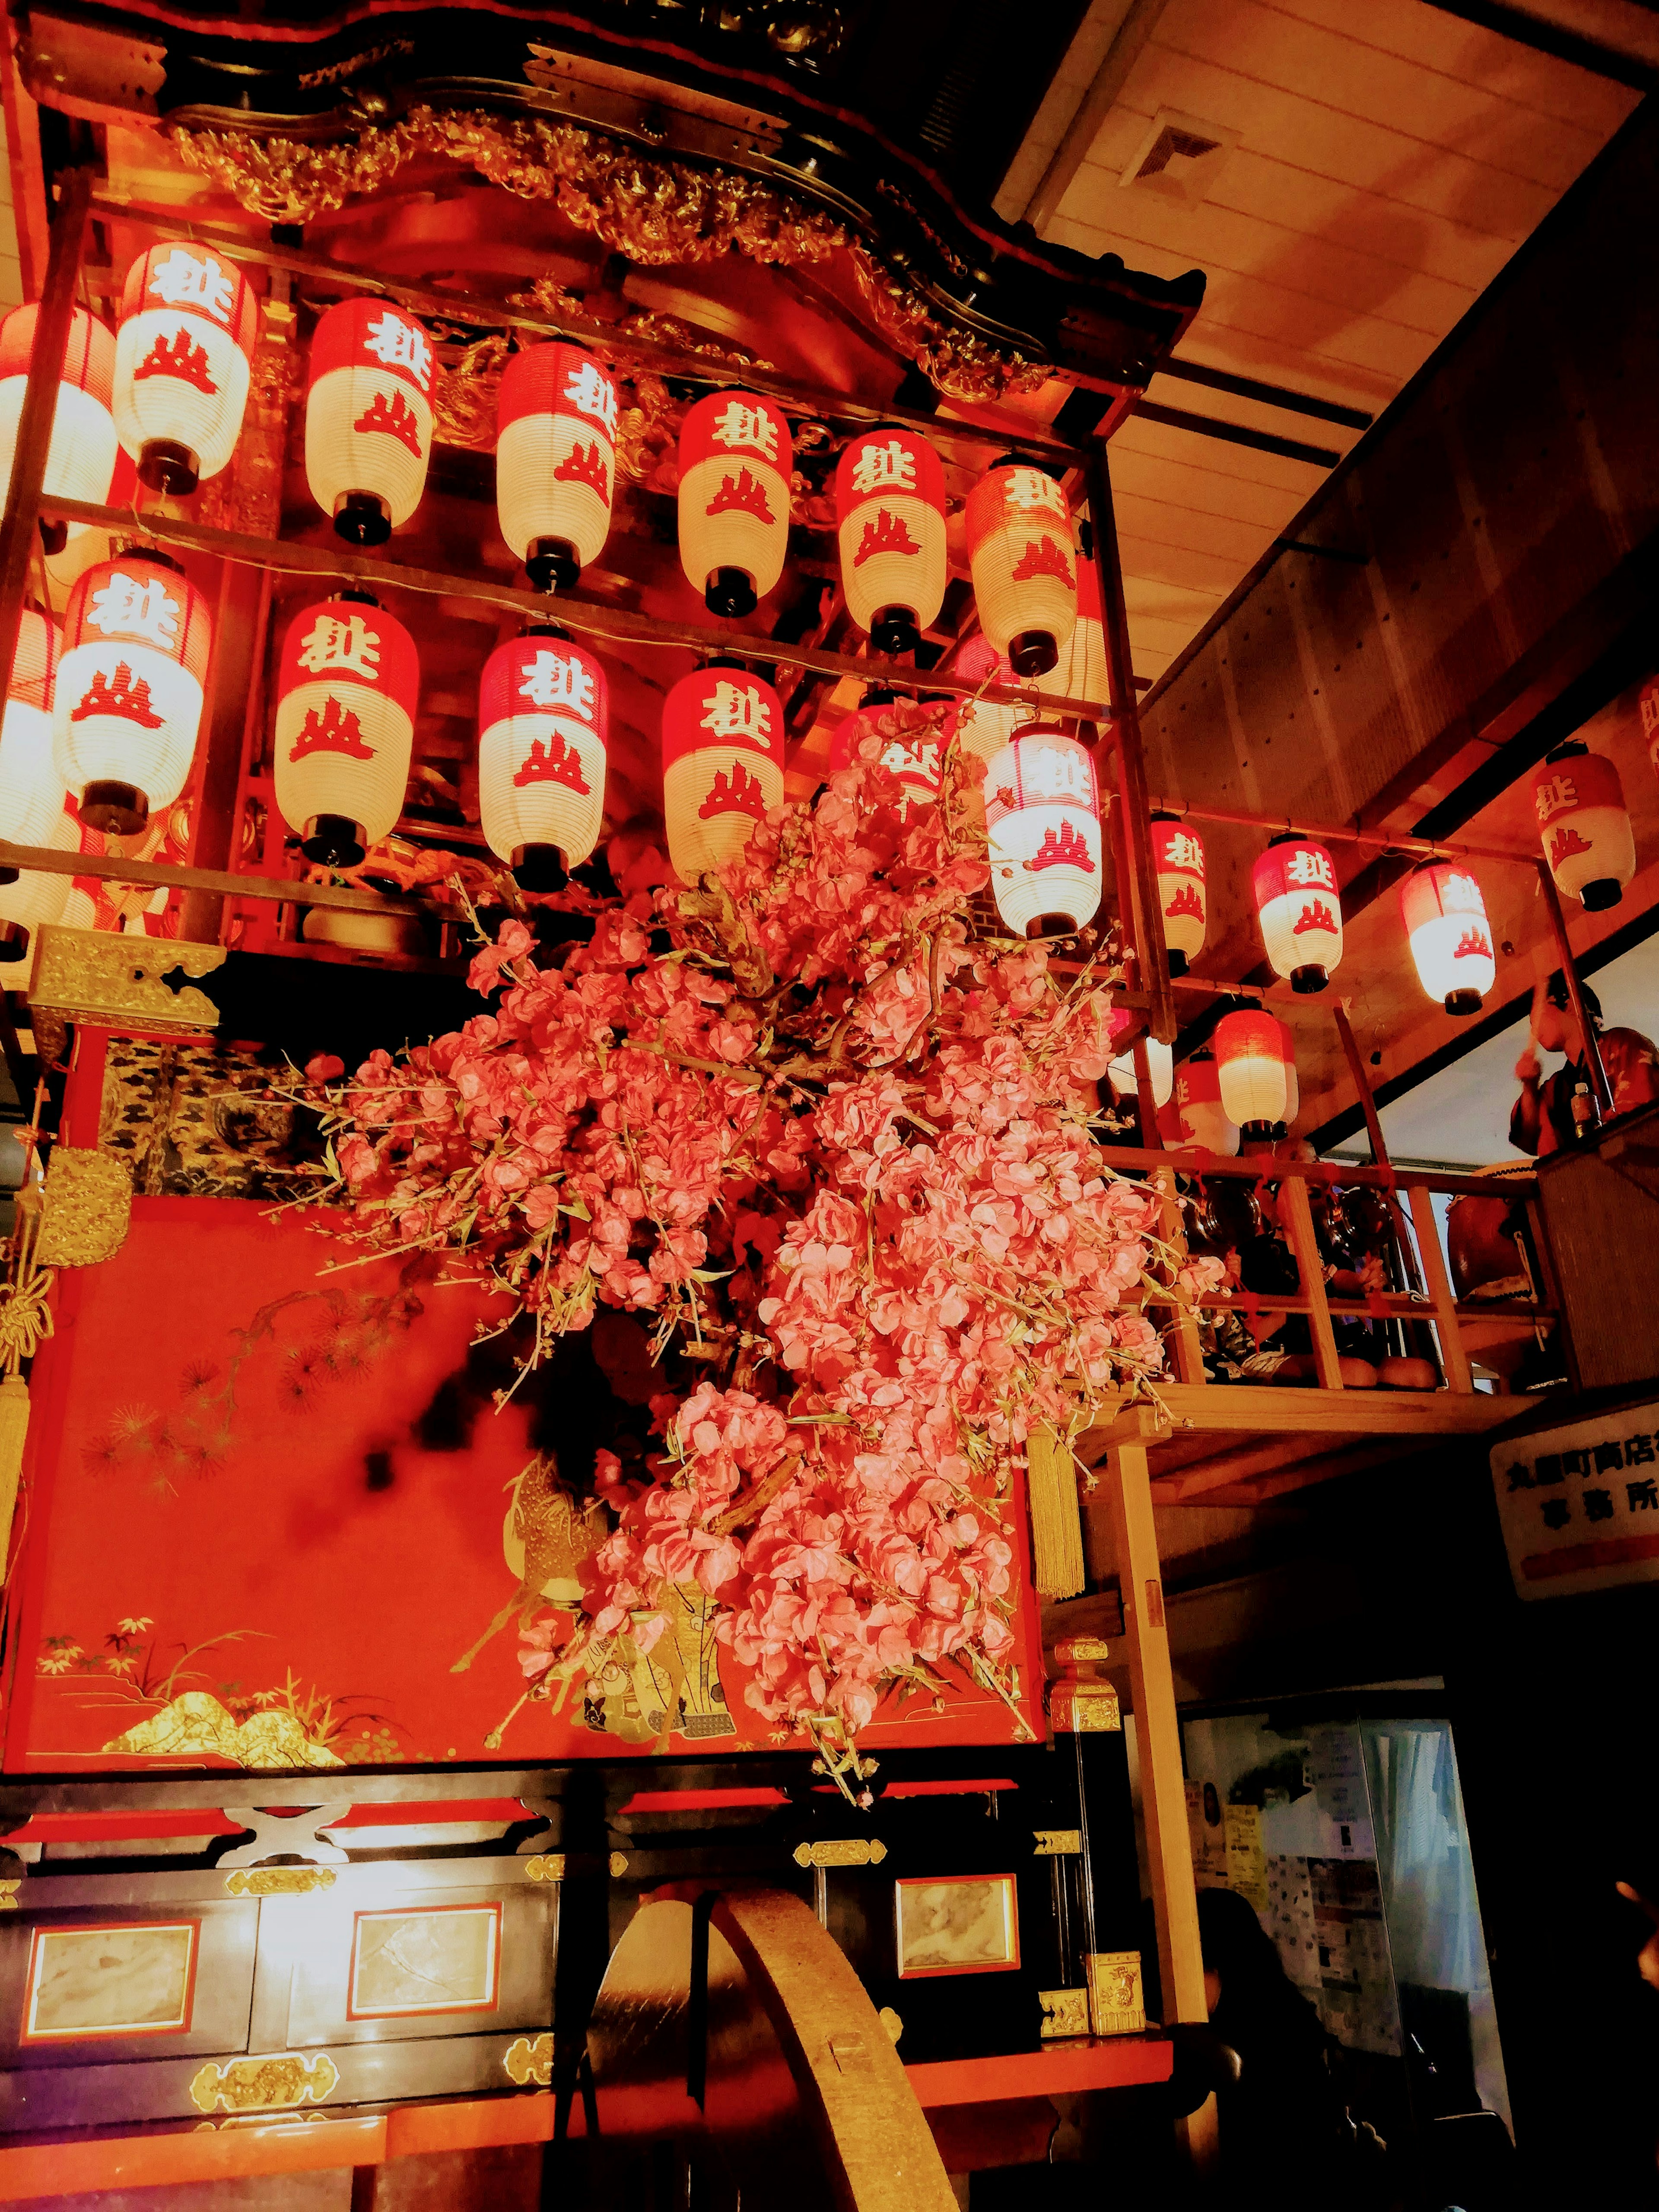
(1361, 1083)
(52, 331)
(239, 634)
(1297, 1217)
(1158, 1740)
(1600, 1089)
(1137, 806)
(1183, 1329)
(1453, 1357)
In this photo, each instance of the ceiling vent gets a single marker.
(1180, 156)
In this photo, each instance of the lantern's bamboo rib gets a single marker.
(1342, 833)
(588, 617)
(113, 867)
(602, 338)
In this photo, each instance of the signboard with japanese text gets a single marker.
(1580, 1504)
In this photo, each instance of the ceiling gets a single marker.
(1373, 170)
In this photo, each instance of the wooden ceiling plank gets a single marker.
(1158, 520)
(1257, 182)
(1186, 487)
(1225, 1469)
(1293, 481)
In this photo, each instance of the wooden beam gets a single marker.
(1136, 1160)
(590, 617)
(1453, 1357)
(1296, 1470)
(1298, 1220)
(1276, 1409)
(111, 867)
(1197, 1480)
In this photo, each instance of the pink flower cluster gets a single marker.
(870, 1188)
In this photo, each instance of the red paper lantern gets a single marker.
(1585, 830)
(985, 725)
(1024, 563)
(184, 354)
(31, 789)
(1300, 909)
(911, 739)
(29, 897)
(889, 510)
(368, 418)
(722, 764)
(1255, 1062)
(81, 456)
(1079, 672)
(346, 690)
(1042, 824)
(127, 699)
(1449, 934)
(1204, 1120)
(1178, 857)
(555, 460)
(543, 714)
(736, 458)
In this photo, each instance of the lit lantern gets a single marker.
(31, 789)
(1080, 671)
(1160, 1065)
(1178, 857)
(81, 458)
(1300, 910)
(1450, 935)
(1292, 1086)
(985, 725)
(31, 897)
(1253, 1061)
(1043, 820)
(555, 461)
(368, 418)
(1024, 566)
(1204, 1120)
(346, 690)
(889, 509)
(735, 464)
(910, 737)
(184, 354)
(543, 712)
(127, 699)
(1585, 830)
(722, 764)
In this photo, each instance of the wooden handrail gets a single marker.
(1457, 1183)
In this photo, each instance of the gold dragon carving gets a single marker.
(657, 211)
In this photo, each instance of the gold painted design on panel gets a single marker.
(526, 2061)
(546, 1866)
(842, 1852)
(112, 978)
(1116, 2006)
(278, 1881)
(88, 1206)
(1065, 2012)
(1057, 1843)
(264, 2085)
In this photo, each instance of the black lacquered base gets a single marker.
(538, 868)
(551, 565)
(1309, 980)
(119, 809)
(166, 466)
(894, 633)
(334, 841)
(730, 592)
(1033, 653)
(363, 518)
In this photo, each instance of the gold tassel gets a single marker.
(1056, 1517)
(14, 1428)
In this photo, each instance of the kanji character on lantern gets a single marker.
(1450, 938)
(543, 715)
(1300, 909)
(910, 735)
(1204, 1120)
(555, 461)
(368, 418)
(184, 355)
(735, 462)
(347, 686)
(1178, 857)
(127, 698)
(722, 756)
(889, 510)
(1584, 827)
(1024, 564)
(1042, 824)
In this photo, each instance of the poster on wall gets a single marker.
(1579, 1505)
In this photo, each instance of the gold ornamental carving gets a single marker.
(526, 2060)
(1065, 2012)
(277, 2084)
(1057, 1843)
(87, 1208)
(111, 978)
(1082, 1651)
(1084, 1709)
(842, 1852)
(1116, 2006)
(278, 1881)
(546, 1866)
(8, 1895)
(659, 211)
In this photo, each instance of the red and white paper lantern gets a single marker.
(1300, 909)
(1024, 563)
(127, 698)
(736, 458)
(1204, 1120)
(722, 764)
(31, 789)
(890, 513)
(29, 897)
(1178, 858)
(555, 460)
(543, 715)
(1585, 830)
(184, 354)
(1043, 822)
(1450, 936)
(1080, 671)
(1255, 1064)
(81, 456)
(912, 739)
(985, 725)
(368, 418)
(1160, 1067)
(347, 690)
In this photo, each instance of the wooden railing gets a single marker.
(1414, 1191)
